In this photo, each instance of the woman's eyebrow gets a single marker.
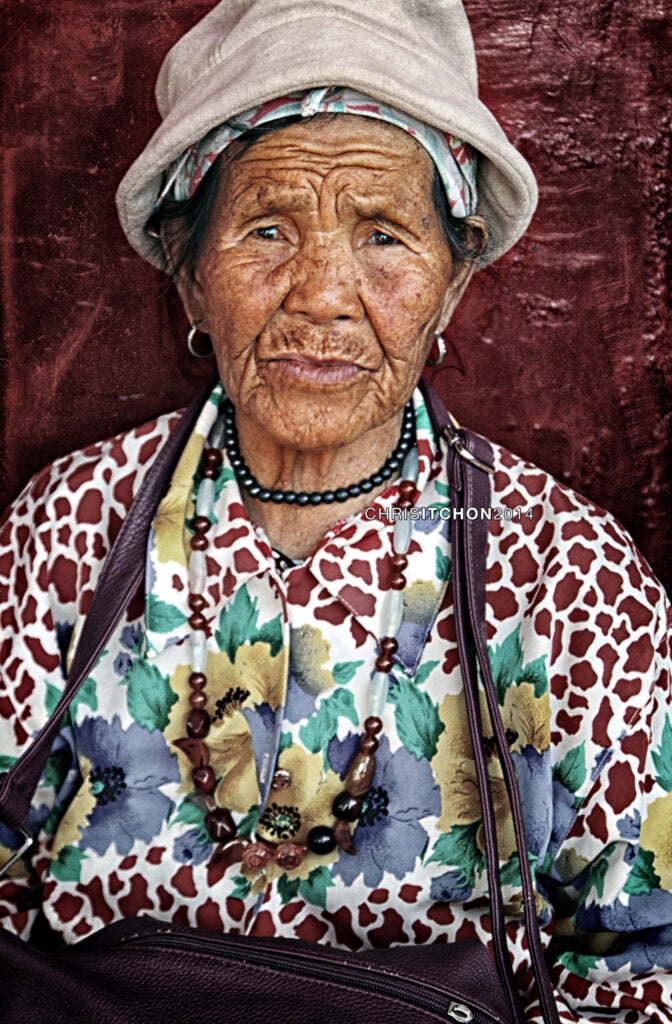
(270, 197)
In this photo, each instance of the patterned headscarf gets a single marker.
(454, 159)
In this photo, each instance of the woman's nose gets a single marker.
(325, 282)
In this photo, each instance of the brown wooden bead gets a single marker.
(198, 542)
(407, 489)
(204, 779)
(201, 524)
(399, 562)
(198, 724)
(384, 663)
(405, 503)
(373, 725)
(344, 837)
(198, 681)
(212, 457)
(197, 699)
(368, 744)
(389, 645)
(220, 825)
(197, 621)
(197, 602)
(397, 582)
(360, 774)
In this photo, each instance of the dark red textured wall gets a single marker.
(560, 352)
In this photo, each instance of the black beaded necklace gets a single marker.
(249, 483)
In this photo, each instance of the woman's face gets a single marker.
(322, 278)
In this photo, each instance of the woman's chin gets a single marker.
(305, 421)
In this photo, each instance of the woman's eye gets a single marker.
(382, 238)
(270, 234)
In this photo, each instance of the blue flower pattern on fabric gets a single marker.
(389, 835)
(128, 767)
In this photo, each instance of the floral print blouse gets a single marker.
(577, 630)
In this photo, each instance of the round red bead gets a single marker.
(197, 699)
(198, 542)
(201, 524)
(211, 472)
(288, 856)
(373, 725)
(212, 457)
(384, 663)
(399, 562)
(198, 681)
(405, 503)
(197, 602)
(197, 621)
(407, 489)
(389, 645)
(256, 856)
(368, 744)
(398, 581)
(204, 779)
(198, 724)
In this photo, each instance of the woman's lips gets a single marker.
(315, 371)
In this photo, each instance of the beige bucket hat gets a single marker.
(415, 55)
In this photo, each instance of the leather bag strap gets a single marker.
(119, 580)
(469, 464)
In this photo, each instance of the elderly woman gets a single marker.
(321, 220)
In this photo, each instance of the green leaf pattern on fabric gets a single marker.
(458, 849)
(642, 878)
(343, 671)
(149, 697)
(571, 772)
(443, 566)
(508, 668)
(238, 626)
(416, 716)
(321, 727)
(163, 617)
(67, 867)
(595, 881)
(662, 758)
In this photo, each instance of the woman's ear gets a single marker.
(191, 294)
(475, 241)
(187, 284)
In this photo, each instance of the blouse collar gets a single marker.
(351, 563)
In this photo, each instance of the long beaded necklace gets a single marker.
(347, 805)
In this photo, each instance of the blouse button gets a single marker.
(281, 779)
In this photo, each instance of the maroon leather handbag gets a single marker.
(140, 971)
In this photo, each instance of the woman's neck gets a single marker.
(296, 531)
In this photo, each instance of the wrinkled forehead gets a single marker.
(340, 150)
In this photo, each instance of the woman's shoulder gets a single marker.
(94, 484)
(554, 519)
(566, 578)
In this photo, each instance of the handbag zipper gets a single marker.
(408, 991)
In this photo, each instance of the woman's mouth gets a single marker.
(310, 370)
